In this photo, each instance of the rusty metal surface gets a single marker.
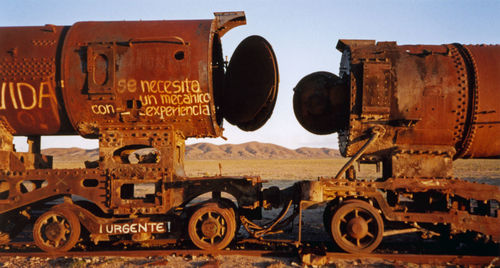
(443, 201)
(156, 72)
(426, 95)
(411, 109)
(133, 72)
(141, 88)
(319, 103)
(251, 84)
(50, 183)
(484, 66)
(30, 102)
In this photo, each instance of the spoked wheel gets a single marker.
(212, 227)
(234, 210)
(357, 227)
(56, 231)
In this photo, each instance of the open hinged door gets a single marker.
(251, 84)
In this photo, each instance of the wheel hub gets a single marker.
(209, 228)
(53, 231)
(357, 227)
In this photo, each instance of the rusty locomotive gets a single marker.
(142, 88)
(411, 109)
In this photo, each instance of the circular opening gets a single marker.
(179, 55)
(320, 103)
(251, 84)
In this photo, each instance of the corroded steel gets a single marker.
(31, 103)
(247, 103)
(357, 227)
(425, 95)
(212, 226)
(412, 109)
(319, 103)
(480, 139)
(156, 72)
(141, 88)
(56, 231)
(80, 78)
(444, 201)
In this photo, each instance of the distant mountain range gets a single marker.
(72, 154)
(254, 150)
(208, 151)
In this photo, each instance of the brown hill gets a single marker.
(308, 152)
(208, 151)
(254, 150)
(72, 154)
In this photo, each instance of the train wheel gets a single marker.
(357, 227)
(56, 231)
(234, 210)
(212, 227)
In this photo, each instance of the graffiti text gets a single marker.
(24, 96)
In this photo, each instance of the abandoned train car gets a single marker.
(143, 87)
(411, 109)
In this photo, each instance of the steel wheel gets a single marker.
(357, 227)
(234, 210)
(212, 227)
(56, 231)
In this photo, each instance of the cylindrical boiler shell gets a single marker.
(154, 72)
(482, 137)
(423, 95)
(30, 98)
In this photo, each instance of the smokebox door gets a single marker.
(251, 84)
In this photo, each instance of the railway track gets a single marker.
(306, 256)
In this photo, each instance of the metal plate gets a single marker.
(139, 72)
(251, 84)
(320, 103)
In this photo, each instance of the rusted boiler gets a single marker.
(411, 109)
(60, 80)
(141, 88)
(424, 95)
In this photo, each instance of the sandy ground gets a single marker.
(176, 261)
(169, 261)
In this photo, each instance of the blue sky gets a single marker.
(302, 33)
